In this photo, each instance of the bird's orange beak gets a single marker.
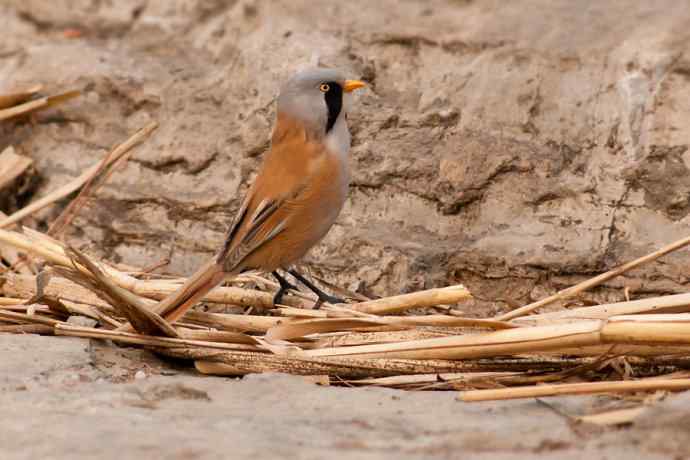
(351, 85)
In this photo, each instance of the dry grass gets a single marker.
(536, 355)
(20, 104)
(614, 349)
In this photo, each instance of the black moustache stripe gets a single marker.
(334, 102)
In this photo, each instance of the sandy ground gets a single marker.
(65, 398)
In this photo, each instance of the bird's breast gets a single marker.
(338, 140)
(331, 188)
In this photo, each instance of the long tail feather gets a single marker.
(198, 285)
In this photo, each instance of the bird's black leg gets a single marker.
(284, 287)
(323, 297)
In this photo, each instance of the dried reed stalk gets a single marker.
(302, 313)
(78, 182)
(651, 351)
(6, 301)
(398, 381)
(670, 329)
(24, 286)
(147, 340)
(665, 304)
(342, 311)
(238, 363)
(37, 104)
(613, 417)
(354, 337)
(498, 343)
(216, 336)
(18, 97)
(577, 338)
(326, 311)
(421, 299)
(41, 329)
(586, 388)
(412, 320)
(302, 328)
(28, 309)
(25, 318)
(137, 312)
(244, 323)
(241, 363)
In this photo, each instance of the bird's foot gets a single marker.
(285, 286)
(322, 296)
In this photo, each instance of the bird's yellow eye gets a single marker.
(325, 87)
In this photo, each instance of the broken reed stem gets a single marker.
(216, 336)
(498, 343)
(624, 331)
(366, 336)
(420, 379)
(301, 328)
(613, 417)
(21, 109)
(18, 97)
(41, 329)
(234, 363)
(78, 182)
(592, 282)
(540, 391)
(238, 363)
(248, 323)
(627, 350)
(648, 329)
(127, 304)
(241, 363)
(38, 104)
(8, 301)
(24, 286)
(665, 304)
(26, 308)
(421, 299)
(146, 340)
(24, 318)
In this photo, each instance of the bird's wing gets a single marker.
(286, 173)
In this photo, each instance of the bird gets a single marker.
(298, 192)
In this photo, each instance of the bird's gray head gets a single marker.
(315, 97)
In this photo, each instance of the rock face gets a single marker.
(513, 146)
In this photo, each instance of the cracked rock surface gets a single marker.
(511, 151)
